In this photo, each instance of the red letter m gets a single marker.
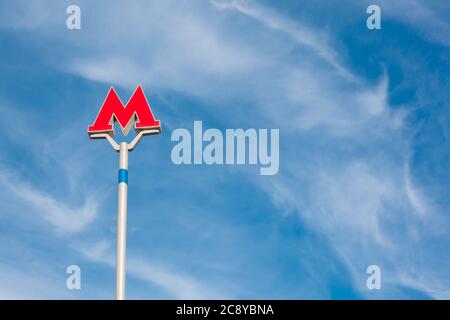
(137, 111)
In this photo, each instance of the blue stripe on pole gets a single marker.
(123, 175)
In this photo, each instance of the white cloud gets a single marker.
(16, 284)
(63, 218)
(180, 47)
(360, 208)
(415, 196)
(109, 70)
(34, 277)
(428, 17)
(176, 284)
(349, 186)
(60, 214)
(197, 50)
(316, 40)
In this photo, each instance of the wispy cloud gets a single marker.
(29, 284)
(33, 196)
(176, 284)
(63, 218)
(316, 40)
(429, 18)
(343, 148)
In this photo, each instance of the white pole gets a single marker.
(122, 222)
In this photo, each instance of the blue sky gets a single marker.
(364, 149)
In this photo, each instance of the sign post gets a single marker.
(137, 111)
(122, 221)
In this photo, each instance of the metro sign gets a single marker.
(136, 111)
